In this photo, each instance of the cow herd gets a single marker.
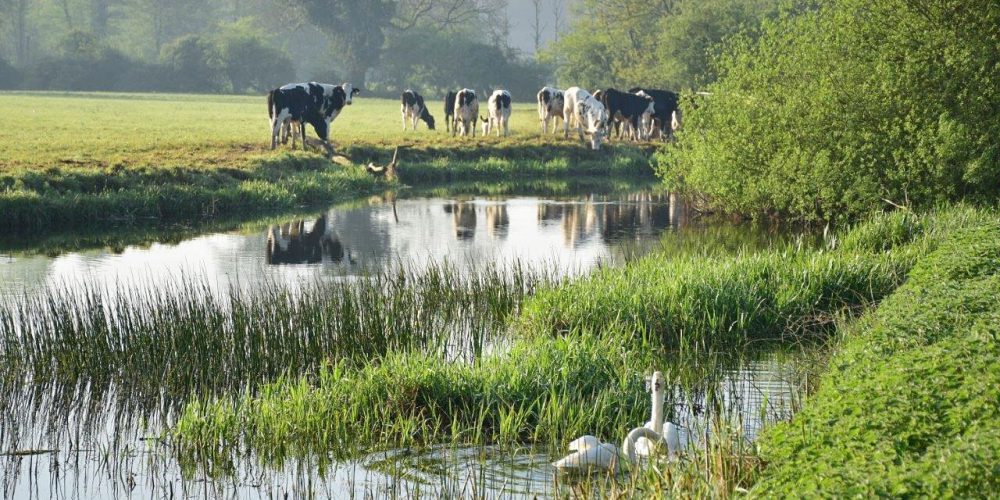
(639, 114)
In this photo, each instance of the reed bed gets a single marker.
(703, 301)
(183, 339)
(551, 388)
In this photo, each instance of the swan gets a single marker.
(590, 453)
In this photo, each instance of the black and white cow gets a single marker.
(666, 102)
(499, 111)
(449, 110)
(550, 107)
(466, 112)
(635, 112)
(413, 108)
(583, 110)
(317, 104)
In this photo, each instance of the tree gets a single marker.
(190, 58)
(356, 28)
(246, 61)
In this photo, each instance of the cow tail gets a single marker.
(270, 105)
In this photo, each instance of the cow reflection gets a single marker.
(497, 220)
(640, 213)
(290, 243)
(579, 223)
(464, 219)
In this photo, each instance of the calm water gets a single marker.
(86, 442)
(569, 235)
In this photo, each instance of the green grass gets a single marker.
(169, 158)
(911, 404)
(700, 302)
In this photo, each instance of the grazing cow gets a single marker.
(499, 111)
(317, 104)
(666, 102)
(634, 111)
(449, 111)
(466, 112)
(413, 109)
(583, 110)
(550, 107)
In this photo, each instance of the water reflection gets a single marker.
(292, 243)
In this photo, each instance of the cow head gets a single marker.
(349, 92)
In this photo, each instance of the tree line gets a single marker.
(247, 46)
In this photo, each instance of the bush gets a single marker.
(189, 59)
(832, 112)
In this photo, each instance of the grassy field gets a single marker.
(71, 160)
(47, 130)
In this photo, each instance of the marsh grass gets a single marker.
(561, 378)
(183, 339)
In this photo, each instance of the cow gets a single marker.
(466, 112)
(413, 108)
(550, 107)
(634, 111)
(317, 104)
(449, 110)
(666, 102)
(499, 112)
(583, 110)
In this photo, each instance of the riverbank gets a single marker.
(204, 157)
(911, 403)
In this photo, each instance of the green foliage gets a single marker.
(248, 63)
(190, 60)
(834, 111)
(666, 44)
(909, 407)
(357, 29)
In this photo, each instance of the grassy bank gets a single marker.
(170, 158)
(911, 404)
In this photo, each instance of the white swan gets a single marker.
(591, 454)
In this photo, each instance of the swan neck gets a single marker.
(657, 401)
(628, 446)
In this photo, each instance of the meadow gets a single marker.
(77, 159)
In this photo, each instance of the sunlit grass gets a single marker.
(45, 130)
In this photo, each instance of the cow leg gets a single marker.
(403, 112)
(302, 133)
